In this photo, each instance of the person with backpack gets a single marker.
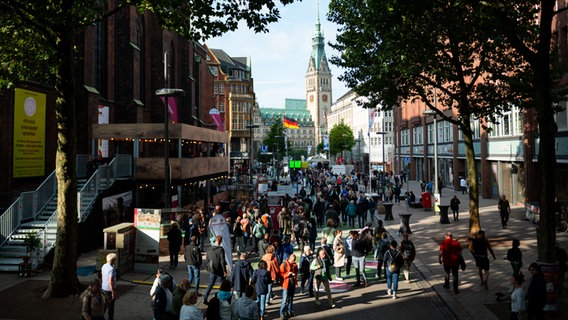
(455, 206)
(258, 232)
(288, 274)
(321, 266)
(261, 279)
(380, 249)
(393, 262)
(408, 252)
(351, 211)
(304, 268)
(223, 306)
(359, 250)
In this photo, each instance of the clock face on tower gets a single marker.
(311, 98)
(324, 98)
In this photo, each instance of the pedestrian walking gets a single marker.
(359, 250)
(518, 306)
(393, 262)
(93, 301)
(272, 267)
(450, 252)
(479, 248)
(338, 254)
(455, 206)
(515, 256)
(408, 252)
(223, 306)
(108, 283)
(192, 255)
(288, 274)
(241, 274)
(304, 269)
(536, 293)
(174, 244)
(321, 268)
(261, 279)
(463, 185)
(216, 265)
(247, 308)
(380, 250)
(162, 300)
(504, 211)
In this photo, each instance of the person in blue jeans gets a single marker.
(192, 255)
(261, 279)
(288, 272)
(393, 262)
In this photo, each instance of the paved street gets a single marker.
(424, 296)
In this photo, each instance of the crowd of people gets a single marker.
(294, 256)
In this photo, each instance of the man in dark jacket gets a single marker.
(161, 297)
(536, 293)
(174, 244)
(362, 207)
(332, 214)
(241, 274)
(192, 255)
(216, 265)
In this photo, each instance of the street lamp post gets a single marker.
(435, 133)
(167, 93)
(382, 133)
(250, 127)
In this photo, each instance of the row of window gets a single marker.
(508, 124)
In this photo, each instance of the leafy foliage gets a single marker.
(274, 139)
(340, 138)
(394, 50)
(45, 50)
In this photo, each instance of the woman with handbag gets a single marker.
(338, 254)
(321, 267)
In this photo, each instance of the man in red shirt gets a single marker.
(450, 250)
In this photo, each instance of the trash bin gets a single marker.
(532, 211)
(426, 201)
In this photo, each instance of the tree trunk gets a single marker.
(547, 127)
(64, 279)
(474, 223)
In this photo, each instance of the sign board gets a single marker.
(147, 250)
(29, 134)
(264, 149)
(407, 159)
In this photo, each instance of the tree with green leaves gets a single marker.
(45, 50)
(340, 138)
(429, 51)
(274, 139)
(531, 38)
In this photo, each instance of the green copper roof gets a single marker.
(318, 45)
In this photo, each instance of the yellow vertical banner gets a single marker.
(29, 133)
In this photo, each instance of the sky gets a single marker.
(280, 57)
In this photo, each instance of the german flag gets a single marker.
(291, 123)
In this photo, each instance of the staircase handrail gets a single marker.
(120, 166)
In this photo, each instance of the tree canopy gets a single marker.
(340, 138)
(46, 52)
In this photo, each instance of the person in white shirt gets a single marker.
(108, 285)
(518, 306)
(463, 185)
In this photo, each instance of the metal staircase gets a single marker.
(36, 211)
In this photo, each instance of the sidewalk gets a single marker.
(473, 301)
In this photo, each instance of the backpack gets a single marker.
(393, 265)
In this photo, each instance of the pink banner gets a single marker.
(172, 108)
(214, 113)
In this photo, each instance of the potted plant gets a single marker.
(32, 242)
